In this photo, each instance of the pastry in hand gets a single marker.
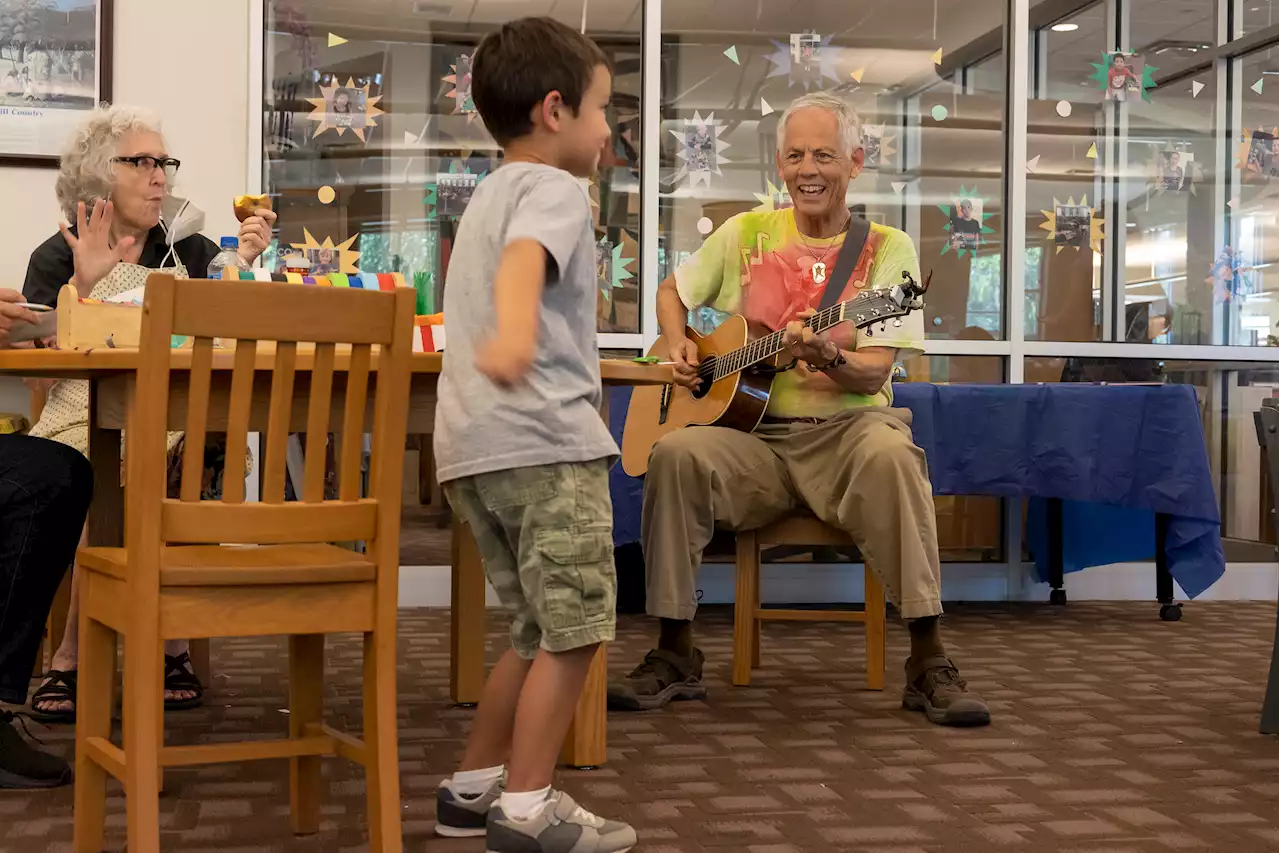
(247, 205)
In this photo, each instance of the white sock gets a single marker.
(525, 804)
(473, 783)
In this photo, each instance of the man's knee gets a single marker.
(675, 453)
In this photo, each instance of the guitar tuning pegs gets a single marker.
(868, 332)
(897, 324)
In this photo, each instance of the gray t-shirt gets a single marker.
(552, 416)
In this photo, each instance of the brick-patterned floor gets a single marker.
(1113, 732)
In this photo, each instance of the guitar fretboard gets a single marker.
(764, 348)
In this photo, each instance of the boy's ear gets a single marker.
(549, 111)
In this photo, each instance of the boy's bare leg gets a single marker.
(489, 744)
(545, 710)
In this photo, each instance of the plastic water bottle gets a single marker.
(228, 257)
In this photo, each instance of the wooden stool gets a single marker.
(747, 613)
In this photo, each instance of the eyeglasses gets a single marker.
(147, 163)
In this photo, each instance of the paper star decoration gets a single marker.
(334, 41)
(824, 59)
(773, 198)
(898, 186)
(857, 75)
(347, 257)
(1092, 153)
(617, 271)
(937, 57)
(732, 52)
(1229, 276)
(970, 195)
(765, 107)
(1050, 224)
(700, 147)
(1196, 86)
(1257, 87)
(1101, 71)
(461, 95)
(1033, 164)
(356, 122)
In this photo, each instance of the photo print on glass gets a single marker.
(1123, 77)
(460, 80)
(453, 192)
(1073, 226)
(337, 257)
(877, 146)
(701, 150)
(965, 223)
(1258, 155)
(344, 107)
(807, 60)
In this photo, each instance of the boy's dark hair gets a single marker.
(515, 67)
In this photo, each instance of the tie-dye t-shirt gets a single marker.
(757, 264)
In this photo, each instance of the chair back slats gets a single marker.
(278, 416)
(297, 367)
(318, 423)
(242, 375)
(353, 424)
(268, 524)
(339, 315)
(197, 419)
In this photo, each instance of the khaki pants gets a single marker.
(859, 471)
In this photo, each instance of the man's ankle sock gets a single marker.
(676, 636)
(473, 783)
(926, 638)
(525, 804)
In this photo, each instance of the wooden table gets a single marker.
(111, 372)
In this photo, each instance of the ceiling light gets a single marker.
(1065, 28)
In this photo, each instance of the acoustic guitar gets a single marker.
(737, 368)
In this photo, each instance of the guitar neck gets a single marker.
(765, 348)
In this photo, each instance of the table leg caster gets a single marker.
(1171, 612)
(1058, 597)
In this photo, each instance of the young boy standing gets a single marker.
(520, 446)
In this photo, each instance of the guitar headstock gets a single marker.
(876, 306)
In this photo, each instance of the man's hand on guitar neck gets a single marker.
(863, 371)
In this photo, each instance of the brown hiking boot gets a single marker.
(934, 686)
(662, 677)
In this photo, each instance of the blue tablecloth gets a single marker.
(1116, 456)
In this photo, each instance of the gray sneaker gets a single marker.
(562, 826)
(461, 816)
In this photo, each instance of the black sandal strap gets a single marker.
(177, 676)
(59, 686)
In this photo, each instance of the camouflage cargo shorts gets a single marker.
(545, 534)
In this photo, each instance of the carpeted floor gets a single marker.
(1113, 732)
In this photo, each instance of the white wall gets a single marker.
(189, 64)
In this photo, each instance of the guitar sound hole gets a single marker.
(706, 370)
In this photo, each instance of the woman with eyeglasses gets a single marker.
(116, 183)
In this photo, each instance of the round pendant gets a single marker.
(819, 272)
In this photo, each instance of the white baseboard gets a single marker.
(428, 586)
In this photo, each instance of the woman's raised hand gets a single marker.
(91, 246)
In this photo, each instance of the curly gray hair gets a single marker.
(86, 172)
(847, 121)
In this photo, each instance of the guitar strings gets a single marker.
(771, 344)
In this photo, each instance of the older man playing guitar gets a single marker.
(828, 439)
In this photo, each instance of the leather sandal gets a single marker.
(179, 676)
(59, 686)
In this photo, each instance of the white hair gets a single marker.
(86, 172)
(848, 125)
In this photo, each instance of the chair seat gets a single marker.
(221, 565)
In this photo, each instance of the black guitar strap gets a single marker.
(846, 261)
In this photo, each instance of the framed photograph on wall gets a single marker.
(55, 65)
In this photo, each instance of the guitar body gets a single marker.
(737, 401)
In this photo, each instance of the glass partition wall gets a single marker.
(1120, 156)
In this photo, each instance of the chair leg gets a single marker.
(306, 707)
(143, 734)
(745, 597)
(875, 624)
(97, 665)
(382, 767)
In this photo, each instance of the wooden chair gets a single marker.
(171, 580)
(748, 614)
